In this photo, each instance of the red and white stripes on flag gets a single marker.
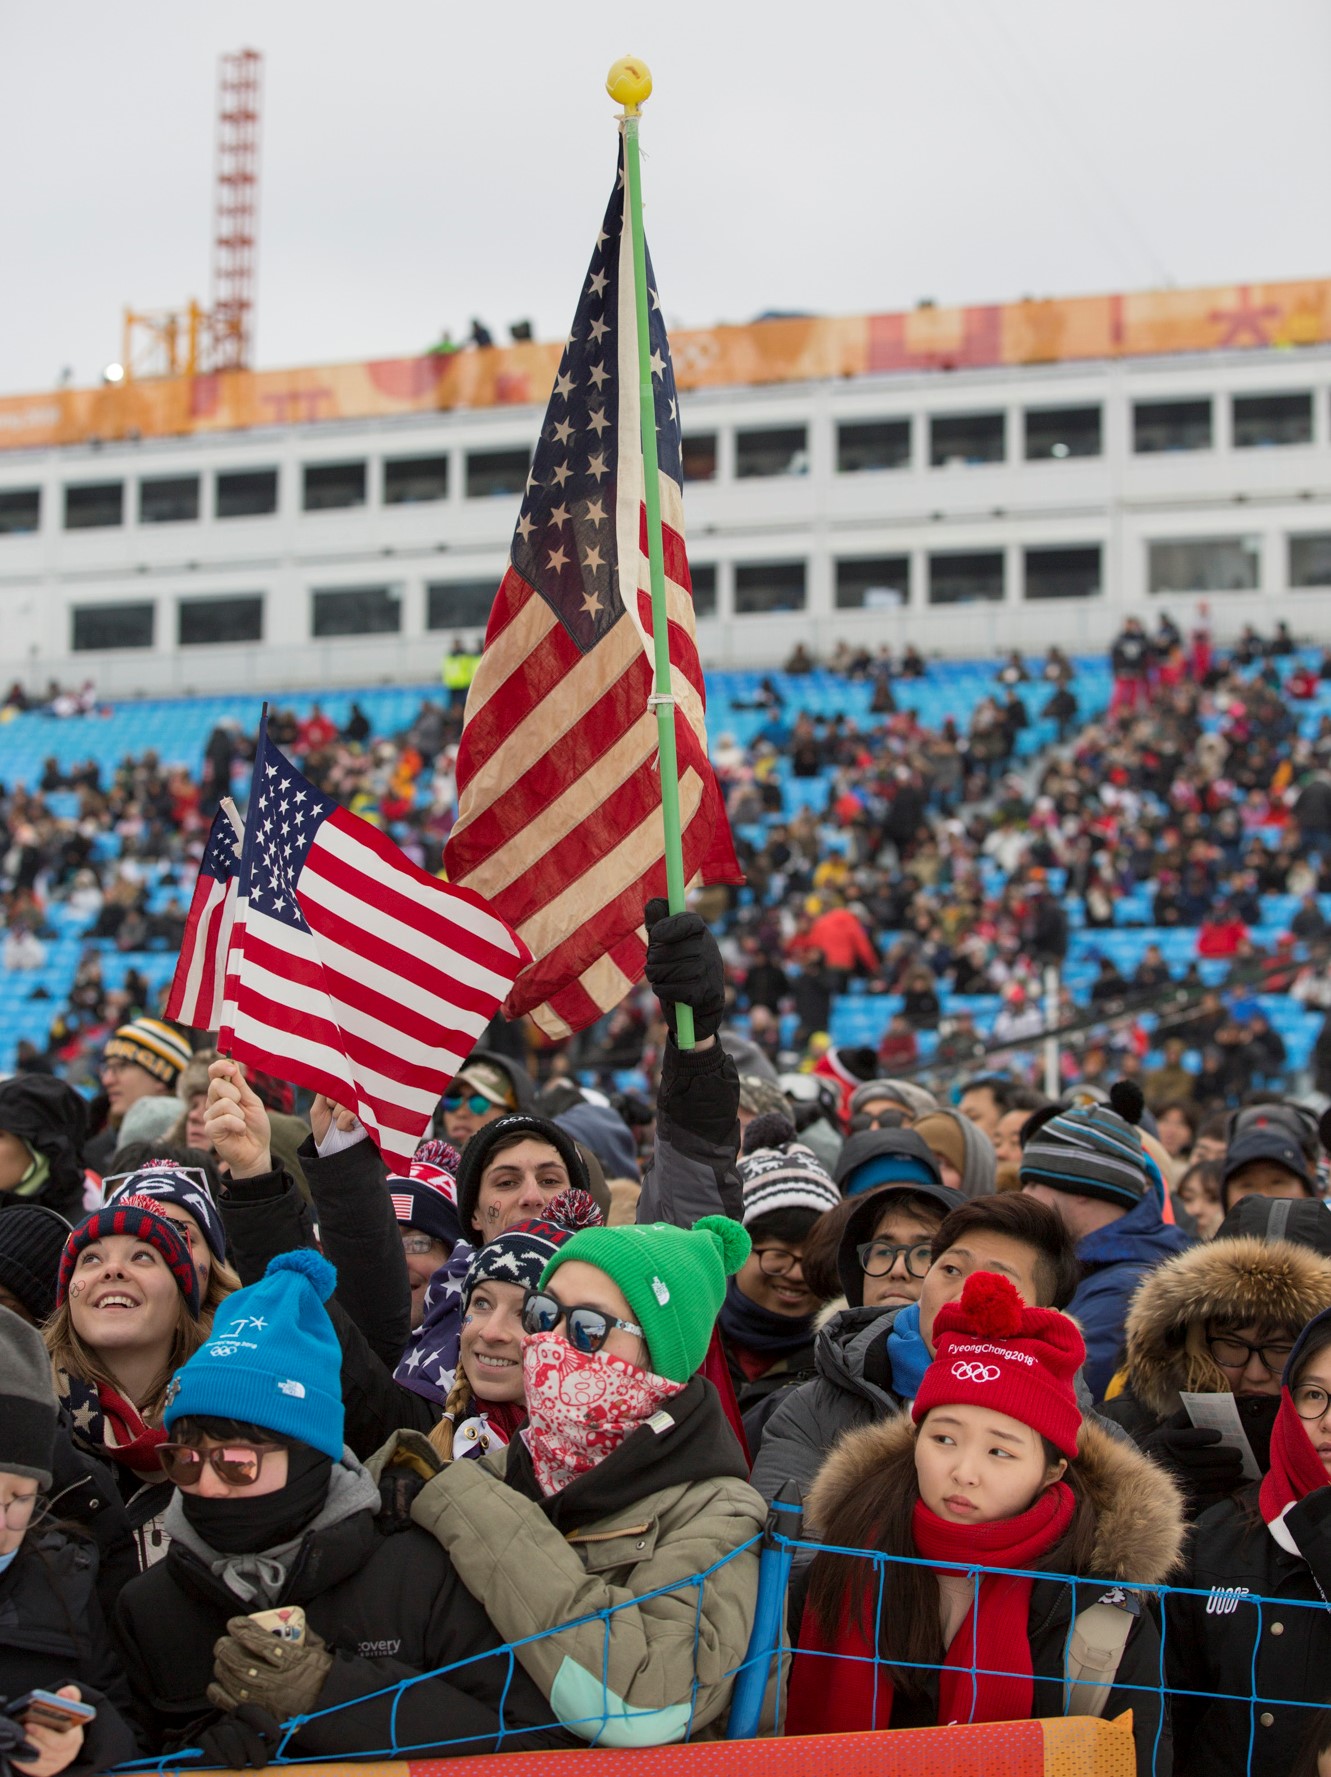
(353, 972)
(197, 986)
(559, 823)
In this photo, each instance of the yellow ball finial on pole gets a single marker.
(629, 84)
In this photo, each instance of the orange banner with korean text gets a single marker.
(788, 350)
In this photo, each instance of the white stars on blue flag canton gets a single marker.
(222, 853)
(565, 543)
(285, 813)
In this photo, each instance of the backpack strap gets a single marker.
(1095, 1651)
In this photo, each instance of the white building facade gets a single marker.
(968, 512)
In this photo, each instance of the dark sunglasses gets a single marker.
(588, 1328)
(476, 1103)
(239, 1465)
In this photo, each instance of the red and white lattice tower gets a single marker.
(236, 229)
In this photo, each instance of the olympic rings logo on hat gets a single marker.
(976, 1372)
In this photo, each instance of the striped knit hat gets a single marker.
(780, 1173)
(140, 1218)
(153, 1046)
(1092, 1153)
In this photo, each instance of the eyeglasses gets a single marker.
(1233, 1354)
(1310, 1402)
(588, 1328)
(416, 1246)
(239, 1465)
(877, 1257)
(17, 1512)
(476, 1103)
(775, 1261)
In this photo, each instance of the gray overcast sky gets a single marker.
(423, 163)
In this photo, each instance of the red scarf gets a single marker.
(1296, 1470)
(987, 1673)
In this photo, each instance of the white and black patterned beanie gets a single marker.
(776, 1172)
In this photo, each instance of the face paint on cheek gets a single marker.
(78, 1286)
(492, 1214)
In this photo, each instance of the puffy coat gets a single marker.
(1139, 1533)
(810, 1419)
(667, 1505)
(1268, 1658)
(1240, 1281)
(52, 1633)
(1114, 1259)
(389, 1606)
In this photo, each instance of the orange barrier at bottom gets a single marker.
(1080, 1746)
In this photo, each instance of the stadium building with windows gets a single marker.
(969, 480)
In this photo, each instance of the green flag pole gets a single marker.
(630, 83)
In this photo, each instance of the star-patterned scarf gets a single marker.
(429, 1364)
(111, 1426)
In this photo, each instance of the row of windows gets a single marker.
(953, 577)
(1048, 433)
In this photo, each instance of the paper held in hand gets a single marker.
(1221, 1413)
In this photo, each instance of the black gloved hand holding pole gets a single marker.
(684, 967)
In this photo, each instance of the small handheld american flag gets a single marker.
(196, 987)
(353, 972)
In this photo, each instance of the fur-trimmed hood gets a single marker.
(1241, 1281)
(1139, 1514)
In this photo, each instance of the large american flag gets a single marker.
(196, 987)
(559, 823)
(352, 972)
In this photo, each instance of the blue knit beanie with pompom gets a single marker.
(272, 1359)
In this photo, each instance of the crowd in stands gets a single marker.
(301, 1459)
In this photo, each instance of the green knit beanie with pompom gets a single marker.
(674, 1279)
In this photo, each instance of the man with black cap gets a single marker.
(1264, 1160)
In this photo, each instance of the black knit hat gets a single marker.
(478, 1150)
(32, 1238)
(28, 1409)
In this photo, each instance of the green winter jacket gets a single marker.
(671, 1503)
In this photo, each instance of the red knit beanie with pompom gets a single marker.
(991, 1350)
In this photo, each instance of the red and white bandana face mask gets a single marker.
(581, 1406)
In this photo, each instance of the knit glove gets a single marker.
(252, 1666)
(684, 967)
(14, 1744)
(243, 1739)
(1206, 1470)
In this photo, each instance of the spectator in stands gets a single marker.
(1267, 1541)
(272, 1509)
(1090, 1168)
(871, 1356)
(963, 1152)
(1266, 1162)
(490, 1086)
(1007, 1137)
(1130, 659)
(1199, 1192)
(127, 1314)
(425, 1205)
(1177, 1122)
(541, 1530)
(43, 1124)
(55, 1638)
(1063, 1494)
(143, 1059)
(898, 1050)
(1220, 1319)
(24, 950)
(839, 934)
(1309, 924)
(1152, 971)
(766, 1321)
(1171, 1082)
(984, 1101)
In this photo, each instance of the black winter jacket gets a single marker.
(266, 1215)
(389, 1606)
(53, 1633)
(1269, 1657)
